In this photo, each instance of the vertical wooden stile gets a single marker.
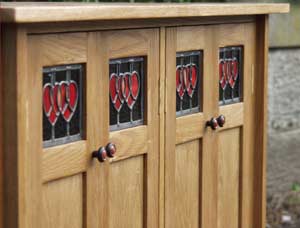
(261, 104)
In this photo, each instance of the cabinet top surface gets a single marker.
(55, 12)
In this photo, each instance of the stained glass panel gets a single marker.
(62, 104)
(126, 90)
(188, 81)
(230, 74)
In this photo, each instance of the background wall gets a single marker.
(284, 119)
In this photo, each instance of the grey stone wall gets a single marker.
(284, 120)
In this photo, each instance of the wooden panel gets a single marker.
(188, 182)
(162, 97)
(63, 48)
(62, 203)
(130, 44)
(142, 139)
(24, 12)
(242, 114)
(261, 105)
(64, 160)
(97, 128)
(127, 24)
(186, 34)
(126, 193)
(170, 124)
(228, 181)
(129, 142)
(10, 147)
(189, 127)
(234, 115)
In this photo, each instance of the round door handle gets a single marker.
(213, 123)
(100, 154)
(111, 149)
(221, 120)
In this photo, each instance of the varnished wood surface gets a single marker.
(55, 12)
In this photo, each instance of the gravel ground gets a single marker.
(283, 211)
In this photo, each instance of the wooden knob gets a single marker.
(221, 120)
(111, 150)
(213, 124)
(100, 154)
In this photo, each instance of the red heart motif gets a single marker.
(50, 102)
(124, 87)
(180, 81)
(115, 84)
(222, 74)
(67, 98)
(186, 80)
(134, 89)
(233, 72)
(62, 98)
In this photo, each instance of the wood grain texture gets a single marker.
(30, 138)
(10, 142)
(59, 161)
(234, 115)
(130, 142)
(189, 127)
(127, 192)
(97, 129)
(209, 185)
(62, 203)
(63, 48)
(128, 43)
(188, 182)
(170, 124)
(55, 12)
(261, 104)
(242, 115)
(162, 97)
(247, 166)
(64, 160)
(228, 181)
(1, 132)
(84, 26)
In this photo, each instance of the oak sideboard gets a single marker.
(133, 115)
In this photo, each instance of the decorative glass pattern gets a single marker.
(230, 74)
(126, 90)
(188, 72)
(62, 104)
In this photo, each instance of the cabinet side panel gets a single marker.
(261, 104)
(9, 153)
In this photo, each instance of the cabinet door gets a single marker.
(127, 184)
(235, 140)
(190, 153)
(208, 172)
(56, 133)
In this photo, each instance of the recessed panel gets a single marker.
(188, 82)
(230, 74)
(62, 203)
(127, 193)
(126, 92)
(229, 174)
(187, 185)
(62, 104)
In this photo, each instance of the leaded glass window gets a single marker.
(188, 82)
(62, 104)
(126, 92)
(230, 74)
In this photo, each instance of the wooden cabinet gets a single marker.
(129, 116)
